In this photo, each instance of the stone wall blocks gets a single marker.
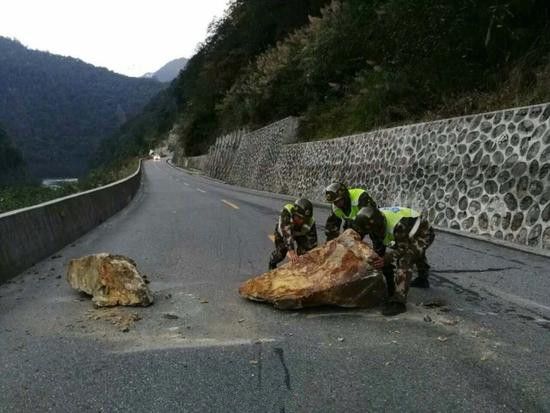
(517, 221)
(474, 208)
(534, 238)
(533, 151)
(486, 126)
(545, 215)
(520, 114)
(525, 203)
(526, 126)
(533, 215)
(521, 238)
(506, 220)
(472, 136)
(536, 188)
(498, 157)
(510, 161)
(519, 169)
(495, 221)
(498, 131)
(546, 238)
(463, 203)
(483, 221)
(535, 111)
(491, 187)
(545, 156)
(514, 139)
(510, 201)
(503, 142)
(468, 223)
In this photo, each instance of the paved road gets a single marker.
(486, 350)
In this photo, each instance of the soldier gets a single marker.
(409, 236)
(295, 233)
(345, 205)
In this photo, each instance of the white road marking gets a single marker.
(201, 190)
(232, 205)
(186, 184)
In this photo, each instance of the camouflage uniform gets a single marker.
(356, 200)
(391, 227)
(407, 253)
(290, 237)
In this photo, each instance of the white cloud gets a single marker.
(127, 36)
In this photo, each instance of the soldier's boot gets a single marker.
(421, 281)
(393, 308)
(272, 265)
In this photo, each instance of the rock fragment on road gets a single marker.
(111, 280)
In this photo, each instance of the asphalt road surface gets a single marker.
(481, 345)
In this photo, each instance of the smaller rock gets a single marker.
(170, 316)
(427, 319)
(434, 303)
(340, 339)
(110, 279)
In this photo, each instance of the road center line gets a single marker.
(186, 184)
(200, 190)
(232, 205)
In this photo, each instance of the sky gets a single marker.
(131, 37)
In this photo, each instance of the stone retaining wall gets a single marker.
(31, 234)
(488, 174)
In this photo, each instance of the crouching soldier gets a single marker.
(295, 233)
(346, 203)
(409, 236)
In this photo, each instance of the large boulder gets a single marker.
(338, 273)
(110, 280)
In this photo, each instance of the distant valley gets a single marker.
(56, 110)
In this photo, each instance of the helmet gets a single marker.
(303, 208)
(335, 192)
(369, 220)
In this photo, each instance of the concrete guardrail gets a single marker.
(31, 234)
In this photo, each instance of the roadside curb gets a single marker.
(494, 241)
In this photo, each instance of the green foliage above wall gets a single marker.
(347, 66)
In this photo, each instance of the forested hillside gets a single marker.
(12, 168)
(57, 109)
(352, 65)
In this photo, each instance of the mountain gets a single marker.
(348, 66)
(169, 71)
(11, 162)
(57, 109)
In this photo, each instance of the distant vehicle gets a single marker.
(156, 157)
